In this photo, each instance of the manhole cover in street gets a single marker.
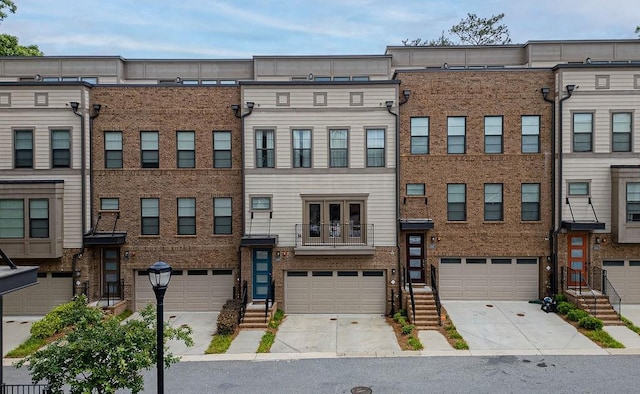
(361, 390)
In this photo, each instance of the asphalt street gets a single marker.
(495, 374)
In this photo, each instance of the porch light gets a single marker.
(160, 275)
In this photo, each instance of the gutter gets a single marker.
(553, 249)
(83, 203)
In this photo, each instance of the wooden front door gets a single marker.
(111, 273)
(577, 261)
(415, 257)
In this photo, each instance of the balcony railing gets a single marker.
(334, 235)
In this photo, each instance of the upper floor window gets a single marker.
(633, 201)
(60, 149)
(582, 132)
(578, 189)
(23, 145)
(530, 209)
(493, 134)
(456, 134)
(222, 149)
(109, 204)
(222, 215)
(149, 149)
(301, 148)
(39, 218)
(621, 132)
(265, 148)
(338, 148)
(493, 209)
(261, 203)
(415, 189)
(375, 148)
(113, 149)
(419, 135)
(186, 144)
(11, 218)
(456, 202)
(530, 134)
(150, 208)
(186, 216)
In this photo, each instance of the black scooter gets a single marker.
(549, 304)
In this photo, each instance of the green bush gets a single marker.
(576, 314)
(46, 327)
(564, 307)
(407, 329)
(64, 316)
(590, 323)
(560, 297)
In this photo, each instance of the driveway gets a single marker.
(631, 312)
(354, 335)
(516, 328)
(15, 330)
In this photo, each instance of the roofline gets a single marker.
(586, 41)
(316, 83)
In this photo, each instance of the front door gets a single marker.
(415, 257)
(111, 273)
(261, 273)
(577, 261)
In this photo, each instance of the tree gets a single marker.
(441, 41)
(473, 31)
(638, 30)
(102, 355)
(9, 44)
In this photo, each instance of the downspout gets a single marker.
(553, 253)
(83, 187)
(96, 110)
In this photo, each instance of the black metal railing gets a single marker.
(337, 234)
(576, 281)
(25, 389)
(610, 291)
(271, 290)
(413, 300)
(402, 285)
(114, 292)
(244, 296)
(436, 294)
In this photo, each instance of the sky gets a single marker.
(241, 29)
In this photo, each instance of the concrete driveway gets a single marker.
(15, 330)
(516, 328)
(631, 312)
(353, 335)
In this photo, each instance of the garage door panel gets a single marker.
(625, 279)
(41, 298)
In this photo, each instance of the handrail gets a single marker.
(611, 292)
(270, 297)
(413, 300)
(571, 273)
(436, 294)
(334, 235)
(244, 296)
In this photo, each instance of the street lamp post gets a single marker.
(159, 276)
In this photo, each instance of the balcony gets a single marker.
(337, 239)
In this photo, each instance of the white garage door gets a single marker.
(488, 278)
(198, 290)
(335, 292)
(625, 278)
(52, 290)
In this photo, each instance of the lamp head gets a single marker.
(545, 92)
(97, 107)
(160, 274)
(74, 105)
(571, 88)
(389, 104)
(406, 93)
(250, 104)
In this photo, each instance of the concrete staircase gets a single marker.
(254, 317)
(599, 307)
(426, 312)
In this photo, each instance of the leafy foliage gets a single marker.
(65, 315)
(9, 44)
(103, 356)
(228, 318)
(560, 297)
(590, 323)
(9, 5)
(219, 344)
(576, 314)
(564, 307)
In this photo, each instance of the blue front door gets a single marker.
(261, 273)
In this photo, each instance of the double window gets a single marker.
(149, 149)
(530, 209)
(493, 209)
(60, 149)
(633, 201)
(456, 134)
(301, 148)
(621, 132)
(530, 134)
(113, 149)
(222, 215)
(12, 215)
(582, 132)
(338, 148)
(23, 146)
(186, 145)
(375, 148)
(150, 215)
(186, 216)
(419, 135)
(456, 202)
(334, 220)
(265, 148)
(222, 149)
(493, 134)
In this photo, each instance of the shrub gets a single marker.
(407, 329)
(64, 316)
(228, 318)
(560, 297)
(576, 314)
(564, 307)
(590, 323)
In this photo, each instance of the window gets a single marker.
(456, 134)
(222, 149)
(109, 204)
(39, 218)
(113, 149)
(375, 148)
(23, 143)
(493, 134)
(150, 216)
(579, 189)
(11, 218)
(419, 136)
(265, 154)
(338, 148)
(582, 132)
(301, 148)
(261, 203)
(415, 189)
(493, 202)
(530, 134)
(621, 132)
(60, 149)
(149, 149)
(633, 201)
(186, 216)
(530, 210)
(186, 143)
(334, 220)
(456, 202)
(222, 215)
